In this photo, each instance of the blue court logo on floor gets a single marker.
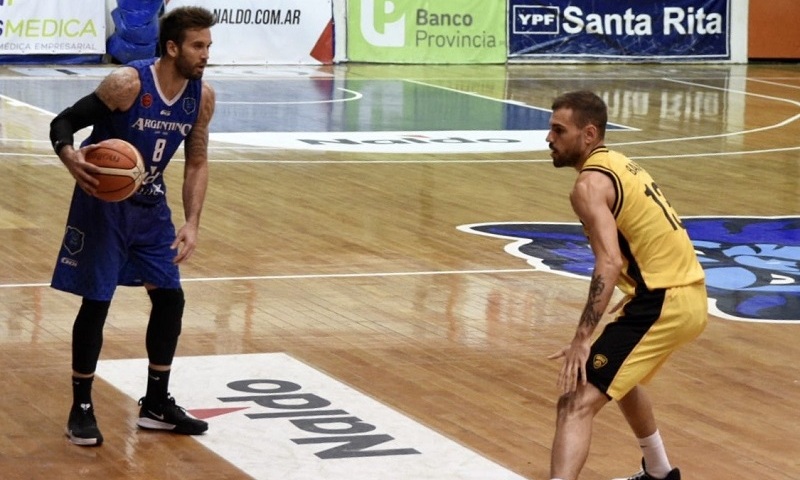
(752, 264)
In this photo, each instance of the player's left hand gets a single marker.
(185, 242)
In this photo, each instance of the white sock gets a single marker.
(655, 456)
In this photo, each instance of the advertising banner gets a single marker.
(426, 31)
(620, 30)
(254, 32)
(52, 27)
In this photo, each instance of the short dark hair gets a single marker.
(587, 108)
(174, 24)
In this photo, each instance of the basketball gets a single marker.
(121, 169)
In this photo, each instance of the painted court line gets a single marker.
(313, 276)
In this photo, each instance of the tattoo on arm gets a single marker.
(591, 316)
(196, 145)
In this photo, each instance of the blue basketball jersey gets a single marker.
(129, 242)
(155, 125)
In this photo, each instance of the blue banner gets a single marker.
(646, 30)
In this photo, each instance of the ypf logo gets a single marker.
(381, 24)
(536, 20)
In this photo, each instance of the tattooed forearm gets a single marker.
(591, 314)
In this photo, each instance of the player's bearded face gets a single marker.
(565, 154)
(193, 54)
(564, 139)
(188, 68)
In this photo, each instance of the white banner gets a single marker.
(254, 32)
(45, 27)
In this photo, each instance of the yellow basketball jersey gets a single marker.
(656, 249)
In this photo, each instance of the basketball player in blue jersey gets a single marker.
(640, 247)
(156, 105)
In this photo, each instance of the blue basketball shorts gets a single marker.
(108, 244)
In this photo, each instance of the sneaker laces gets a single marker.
(84, 415)
(168, 404)
(82, 424)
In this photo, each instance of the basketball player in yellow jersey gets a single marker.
(641, 247)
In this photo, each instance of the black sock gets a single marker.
(157, 386)
(82, 390)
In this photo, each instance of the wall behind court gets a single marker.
(768, 32)
(773, 29)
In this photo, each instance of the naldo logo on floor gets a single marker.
(273, 416)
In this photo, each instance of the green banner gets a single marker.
(426, 31)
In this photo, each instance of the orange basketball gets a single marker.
(121, 169)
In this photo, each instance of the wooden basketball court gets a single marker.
(352, 263)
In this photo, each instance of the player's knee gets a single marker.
(92, 314)
(571, 409)
(166, 315)
(585, 402)
(566, 404)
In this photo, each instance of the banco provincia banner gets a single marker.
(425, 31)
(626, 30)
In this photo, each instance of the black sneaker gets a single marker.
(168, 416)
(82, 426)
(673, 474)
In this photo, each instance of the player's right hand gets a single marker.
(82, 171)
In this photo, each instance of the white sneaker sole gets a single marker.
(84, 442)
(152, 424)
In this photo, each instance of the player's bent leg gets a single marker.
(575, 415)
(158, 409)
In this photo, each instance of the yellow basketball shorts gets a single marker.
(652, 325)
